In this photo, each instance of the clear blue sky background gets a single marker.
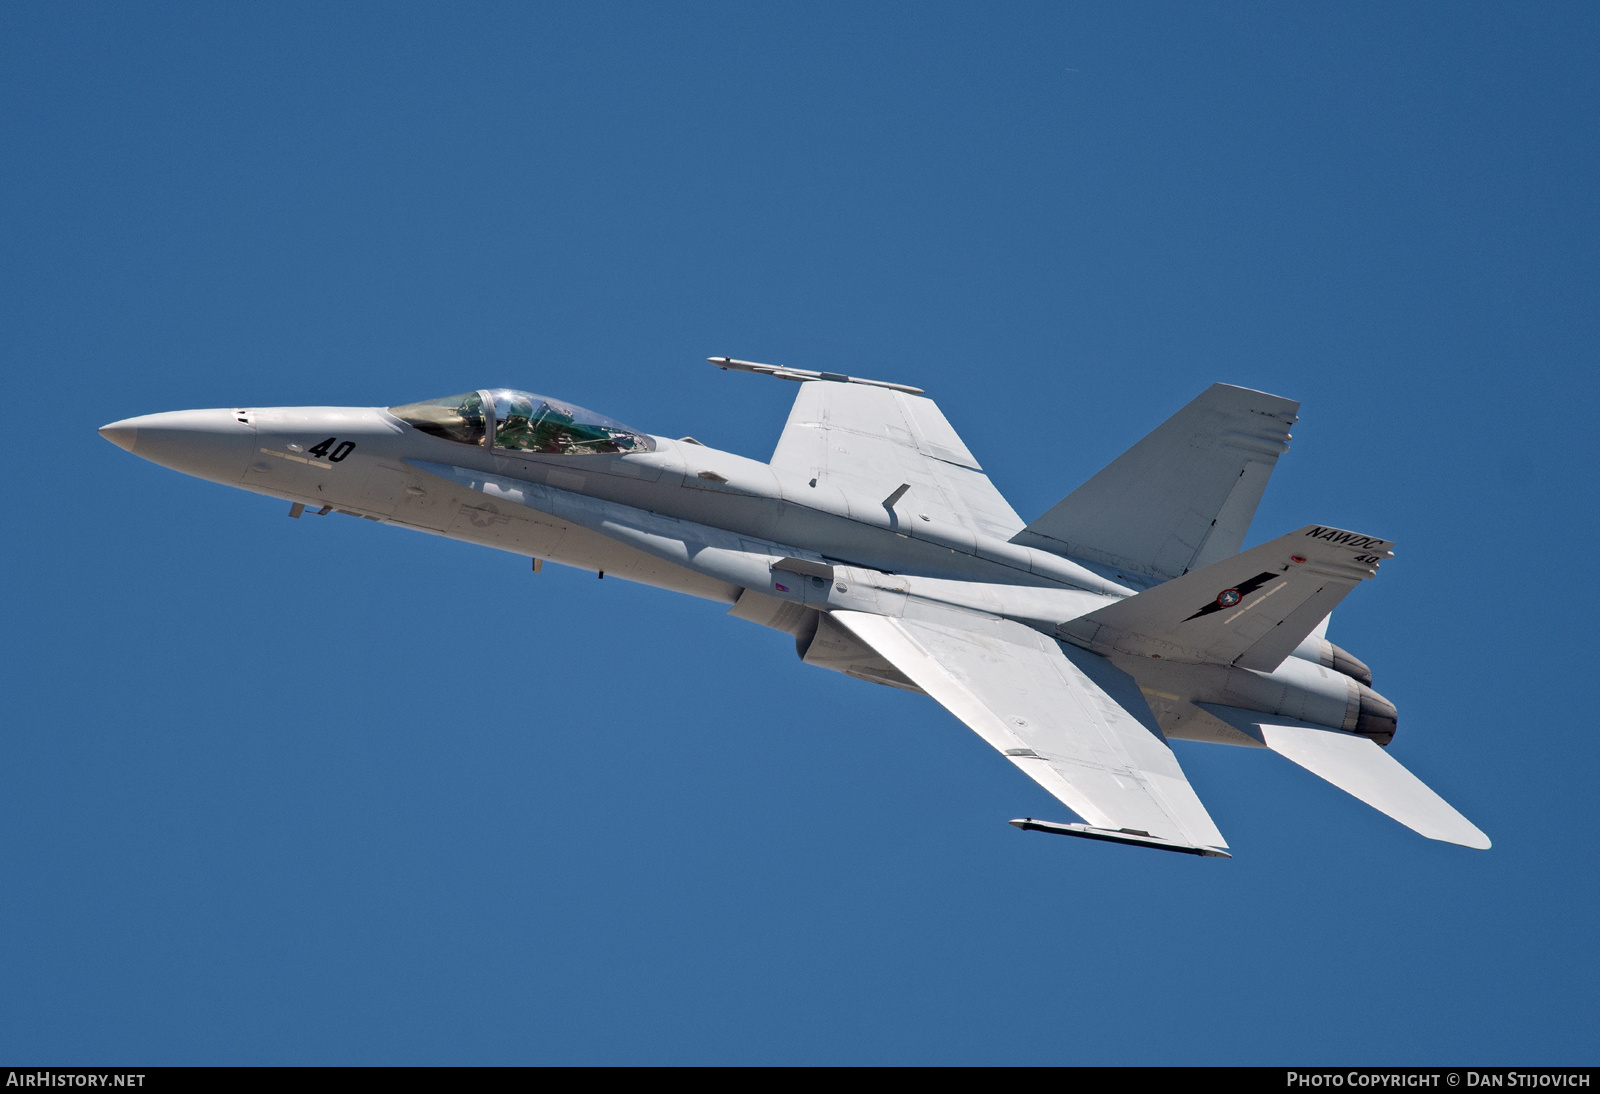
(283, 791)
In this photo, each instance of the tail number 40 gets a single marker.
(339, 449)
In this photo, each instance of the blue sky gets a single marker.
(272, 791)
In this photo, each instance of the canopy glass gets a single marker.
(522, 422)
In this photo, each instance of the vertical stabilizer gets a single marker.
(1181, 498)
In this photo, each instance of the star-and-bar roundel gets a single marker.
(1227, 598)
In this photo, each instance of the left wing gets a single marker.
(870, 442)
(1078, 726)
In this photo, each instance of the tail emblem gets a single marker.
(1227, 598)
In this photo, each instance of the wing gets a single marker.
(1184, 496)
(1078, 726)
(869, 441)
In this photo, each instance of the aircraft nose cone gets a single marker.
(121, 434)
(209, 444)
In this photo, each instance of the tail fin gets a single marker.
(1181, 498)
(1250, 610)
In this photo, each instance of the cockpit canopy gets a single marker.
(522, 422)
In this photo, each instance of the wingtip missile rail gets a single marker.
(783, 372)
(1123, 836)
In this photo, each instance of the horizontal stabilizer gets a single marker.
(1250, 610)
(1359, 768)
(1181, 498)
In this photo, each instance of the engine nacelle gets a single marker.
(1377, 717)
(1297, 689)
(1319, 651)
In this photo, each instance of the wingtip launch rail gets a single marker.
(784, 372)
(1132, 839)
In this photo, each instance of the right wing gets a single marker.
(1075, 724)
(1183, 497)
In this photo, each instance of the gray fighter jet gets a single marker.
(1076, 645)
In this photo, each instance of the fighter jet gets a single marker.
(1078, 645)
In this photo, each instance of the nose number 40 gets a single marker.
(339, 449)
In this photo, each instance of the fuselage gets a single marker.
(684, 516)
(363, 461)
